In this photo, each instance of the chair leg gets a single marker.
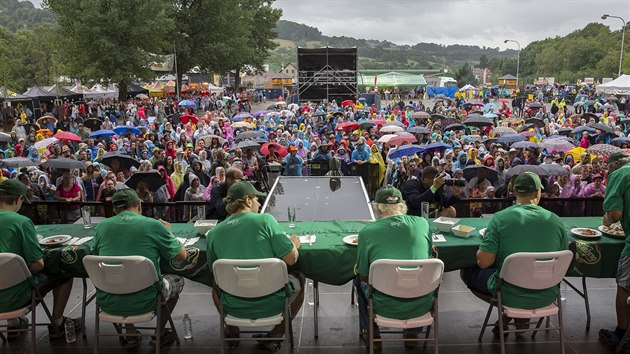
(538, 326)
(84, 307)
(158, 328)
(287, 328)
(352, 296)
(315, 308)
(221, 330)
(426, 336)
(436, 335)
(370, 327)
(4, 339)
(560, 325)
(171, 323)
(485, 323)
(501, 338)
(622, 342)
(586, 304)
(33, 329)
(97, 322)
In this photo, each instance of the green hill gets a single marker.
(16, 15)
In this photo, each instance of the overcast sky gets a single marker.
(475, 22)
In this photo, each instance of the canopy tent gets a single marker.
(467, 87)
(8, 95)
(214, 89)
(38, 92)
(60, 91)
(98, 91)
(133, 90)
(619, 86)
(391, 79)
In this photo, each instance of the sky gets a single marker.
(473, 22)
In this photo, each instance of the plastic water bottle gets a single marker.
(563, 291)
(187, 327)
(71, 335)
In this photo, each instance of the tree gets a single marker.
(483, 61)
(111, 40)
(465, 76)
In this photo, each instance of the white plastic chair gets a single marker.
(405, 279)
(248, 279)
(533, 271)
(14, 272)
(121, 276)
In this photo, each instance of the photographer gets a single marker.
(429, 188)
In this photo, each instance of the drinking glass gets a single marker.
(87, 217)
(291, 215)
(201, 212)
(424, 210)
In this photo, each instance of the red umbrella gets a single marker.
(347, 103)
(348, 126)
(67, 136)
(186, 117)
(380, 122)
(281, 150)
(402, 138)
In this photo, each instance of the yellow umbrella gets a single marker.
(577, 153)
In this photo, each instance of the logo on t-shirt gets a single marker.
(397, 223)
(69, 255)
(233, 222)
(189, 263)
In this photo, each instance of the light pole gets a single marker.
(623, 33)
(518, 57)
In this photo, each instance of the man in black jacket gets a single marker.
(428, 187)
(218, 193)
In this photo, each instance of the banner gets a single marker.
(163, 63)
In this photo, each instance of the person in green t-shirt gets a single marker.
(523, 227)
(131, 234)
(245, 234)
(19, 237)
(617, 208)
(393, 236)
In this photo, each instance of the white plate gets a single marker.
(351, 240)
(54, 240)
(577, 232)
(619, 234)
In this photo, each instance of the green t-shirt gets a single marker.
(523, 228)
(249, 236)
(618, 199)
(130, 234)
(18, 236)
(402, 237)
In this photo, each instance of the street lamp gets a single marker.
(518, 57)
(623, 33)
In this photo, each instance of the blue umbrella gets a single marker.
(103, 133)
(581, 129)
(260, 113)
(490, 115)
(435, 146)
(239, 117)
(125, 129)
(186, 103)
(405, 150)
(619, 141)
(511, 138)
(524, 145)
(487, 107)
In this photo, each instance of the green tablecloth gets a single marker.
(329, 260)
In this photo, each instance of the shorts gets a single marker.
(172, 286)
(476, 279)
(47, 282)
(623, 272)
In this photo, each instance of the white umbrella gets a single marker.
(392, 129)
(293, 107)
(287, 113)
(44, 143)
(386, 138)
(242, 125)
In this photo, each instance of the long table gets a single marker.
(331, 261)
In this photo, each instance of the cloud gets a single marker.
(473, 22)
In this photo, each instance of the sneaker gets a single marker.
(407, 334)
(23, 324)
(168, 337)
(60, 331)
(365, 338)
(609, 338)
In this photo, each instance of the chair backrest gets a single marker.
(120, 275)
(536, 270)
(250, 278)
(14, 270)
(406, 278)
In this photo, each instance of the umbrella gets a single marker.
(142, 96)
(293, 106)
(612, 98)
(260, 113)
(438, 116)
(251, 134)
(93, 124)
(386, 138)
(524, 145)
(552, 145)
(554, 170)
(44, 143)
(619, 141)
(124, 161)
(472, 171)
(418, 130)
(591, 115)
(287, 113)
(402, 138)
(577, 152)
(436, 146)
(510, 138)
(153, 180)
(535, 105)
(527, 133)
(590, 102)
(44, 132)
(281, 103)
(67, 136)
(366, 123)
(405, 150)
(489, 106)
(603, 127)
(241, 116)
(242, 125)
(126, 129)
(348, 126)
(408, 106)
(103, 133)
(64, 163)
(5, 138)
(208, 139)
(536, 122)
(563, 131)
(272, 107)
(581, 129)
(186, 103)
(394, 122)
(281, 150)
(456, 126)
(602, 150)
(17, 162)
(477, 120)
(189, 117)
(391, 129)
(504, 130)
(347, 103)
(490, 115)
(319, 114)
(420, 115)
(246, 144)
(440, 97)
(520, 169)
(41, 123)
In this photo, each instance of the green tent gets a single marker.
(391, 79)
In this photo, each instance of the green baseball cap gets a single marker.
(388, 195)
(124, 198)
(242, 189)
(13, 187)
(616, 156)
(527, 182)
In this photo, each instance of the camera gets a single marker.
(455, 182)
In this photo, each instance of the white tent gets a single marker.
(468, 87)
(619, 86)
